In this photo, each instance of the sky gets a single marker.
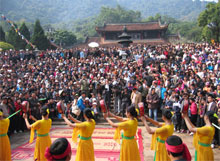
(210, 0)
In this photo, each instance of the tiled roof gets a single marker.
(132, 26)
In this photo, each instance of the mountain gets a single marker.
(52, 11)
(58, 11)
(180, 9)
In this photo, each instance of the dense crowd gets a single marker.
(183, 77)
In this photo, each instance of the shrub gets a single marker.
(5, 46)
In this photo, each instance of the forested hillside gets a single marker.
(57, 11)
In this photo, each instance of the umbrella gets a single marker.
(93, 44)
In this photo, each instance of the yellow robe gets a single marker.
(202, 140)
(158, 144)
(5, 148)
(129, 149)
(42, 142)
(85, 149)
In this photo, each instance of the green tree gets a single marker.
(64, 38)
(210, 17)
(117, 15)
(207, 34)
(157, 17)
(194, 34)
(163, 19)
(189, 30)
(13, 38)
(149, 19)
(5, 46)
(25, 32)
(2, 34)
(39, 39)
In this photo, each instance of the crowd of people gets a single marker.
(183, 78)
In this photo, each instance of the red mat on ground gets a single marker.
(106, 149)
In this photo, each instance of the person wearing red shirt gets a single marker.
(193, 112)
(20, 123)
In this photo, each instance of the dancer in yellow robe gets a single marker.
(83, 130)
(203, 136)
(5, 148)
(160, 134)
(43, 140)
(129, 149)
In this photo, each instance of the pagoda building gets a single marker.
(141, 33)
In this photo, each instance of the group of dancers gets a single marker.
(166, 145)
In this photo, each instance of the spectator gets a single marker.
(20, 123)
(168, 103)
(117, 97)
(201, 109)
(35, 106)
(186, 68)
(177, 114)
(135, 97)
(3, 107)
(185, 109)
(152, 100)
(81, 105)
(211, 104)
(96, 111)
(125, 101)
(193, 112)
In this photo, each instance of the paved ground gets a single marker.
(21, 138)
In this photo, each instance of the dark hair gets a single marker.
(58, 147)
(211, 117)
(88, 113)
(185, 94)
(44, 111)
(175, 141)
(211, 95)
(83, 92)
(203, 93)
(192, 99)
(167, 113)
(177, 97)
(132, 110)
